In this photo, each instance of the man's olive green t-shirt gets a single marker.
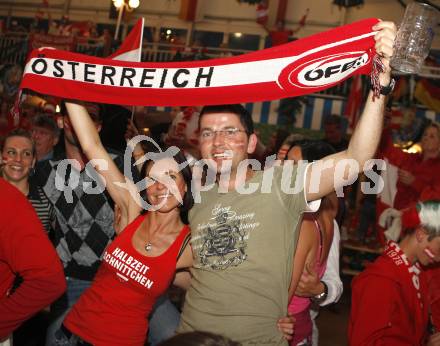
(243, 247)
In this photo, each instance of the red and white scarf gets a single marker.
(301, 67)
(393, 251)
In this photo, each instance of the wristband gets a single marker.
(319, 298)
(386, 90)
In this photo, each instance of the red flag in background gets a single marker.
(303, 19)
(354, 102)
(262, 13)
(188, 9)
(131, 48)
(428, 94)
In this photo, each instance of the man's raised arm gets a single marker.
(342, 168)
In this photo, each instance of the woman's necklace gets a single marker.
(148, 246)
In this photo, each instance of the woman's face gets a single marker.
(431, 139)
(166, 186)
(18, 159)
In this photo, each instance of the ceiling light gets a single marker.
(118, 3)
(133, 3)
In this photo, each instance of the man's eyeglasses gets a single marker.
(226, 133)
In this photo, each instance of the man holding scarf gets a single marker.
(243, 242)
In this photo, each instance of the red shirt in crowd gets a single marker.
(25, 250)
(114, 310)
(426, 172)
(389, 303)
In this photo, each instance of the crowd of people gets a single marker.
(96, 246)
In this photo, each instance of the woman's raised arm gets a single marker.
(92, 147)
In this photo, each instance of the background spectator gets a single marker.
(45, 133)
(27, 259)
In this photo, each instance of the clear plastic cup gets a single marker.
(414, 37)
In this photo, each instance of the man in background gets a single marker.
(45, 133)
(84, 212)
(334, 132)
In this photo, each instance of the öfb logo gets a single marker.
(322, 71)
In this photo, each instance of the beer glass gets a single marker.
(414, 37)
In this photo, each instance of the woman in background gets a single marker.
(315, 240)
(18, 161)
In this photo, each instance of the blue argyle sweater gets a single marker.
(85, 215)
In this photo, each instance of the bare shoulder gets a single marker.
(308, 234)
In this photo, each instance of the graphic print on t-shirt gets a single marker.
(127, 267)
(222, 241)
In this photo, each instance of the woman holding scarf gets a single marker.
(140, 263)
(390, 298)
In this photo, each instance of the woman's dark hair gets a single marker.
(312, 150)
(187, 200)
(199, 339)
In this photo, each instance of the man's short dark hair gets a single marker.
(237, 109)
(313, 150)
(46, 121)
(333, 119)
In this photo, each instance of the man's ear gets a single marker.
(421, 234)
(98, 127)
(252, 143)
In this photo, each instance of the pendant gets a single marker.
(148, 246)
